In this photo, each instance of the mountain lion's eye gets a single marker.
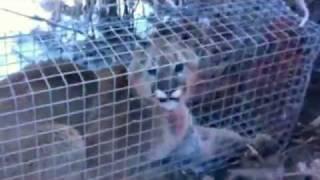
(179, 68)
(152, 72)
(162, 100)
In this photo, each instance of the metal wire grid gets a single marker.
(256, 65)
(55, 144)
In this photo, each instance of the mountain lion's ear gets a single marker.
(191, 75)
(135, 67)
(136, 80)
(113, 77)
(152, 72)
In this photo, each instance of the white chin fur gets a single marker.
(160, 94)
(169, 105)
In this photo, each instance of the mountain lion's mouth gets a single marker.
(168, 100)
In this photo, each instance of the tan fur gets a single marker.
(49, 91)
(126, 118)
(43, 108)
(211, 139)
(173, 50)
(126, 121)
(100, 106)
(120, 123)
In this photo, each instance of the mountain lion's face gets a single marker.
(161, 73)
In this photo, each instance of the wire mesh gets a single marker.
(67, 111)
